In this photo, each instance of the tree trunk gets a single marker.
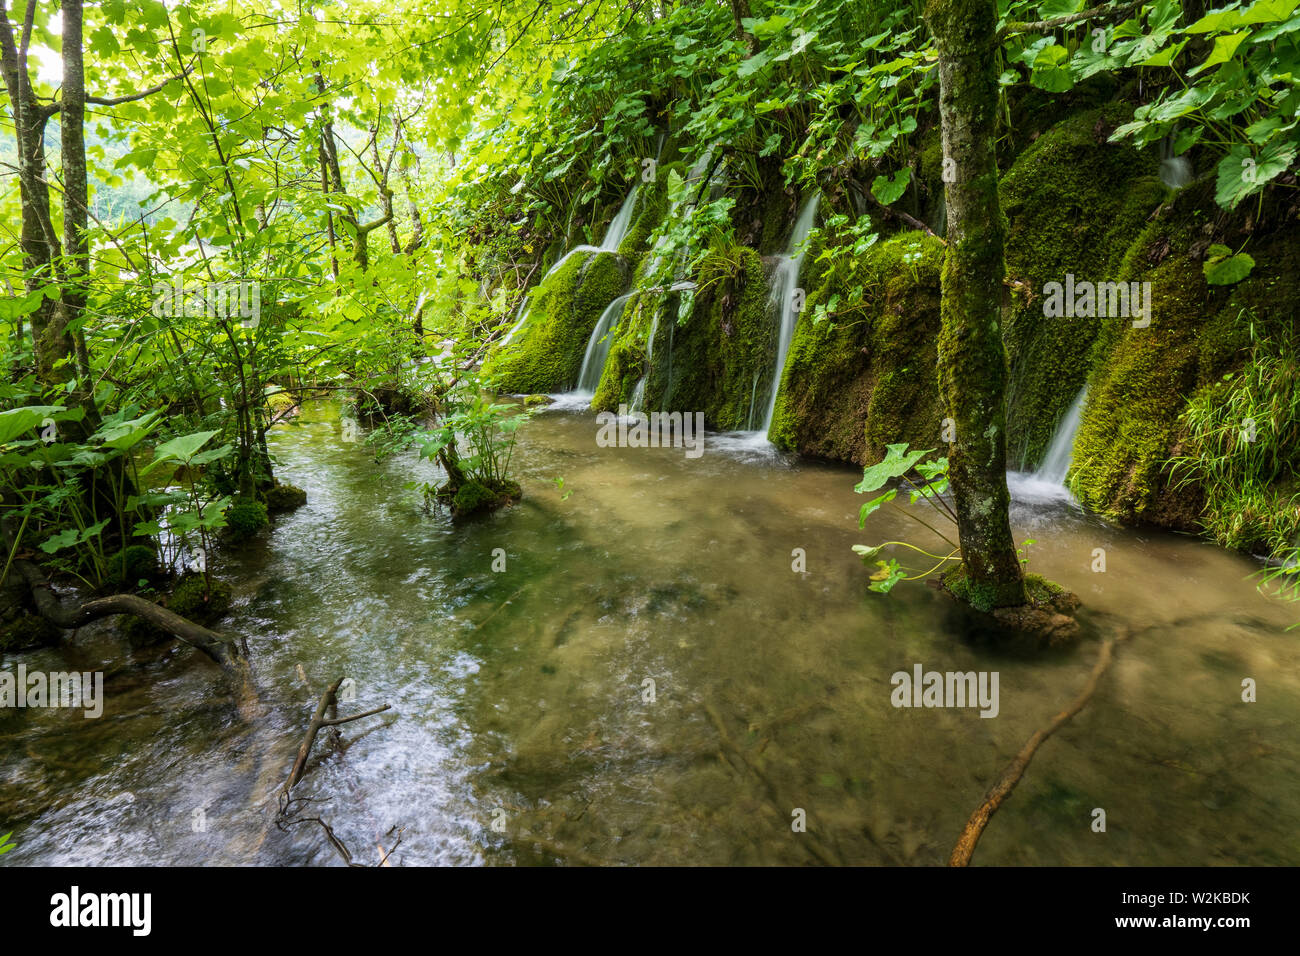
(972, 363)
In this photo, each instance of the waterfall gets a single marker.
(1175, 171)
(593, 363)
(620, 224)
(614, 236)
(1056, 464)
(1047, 482)
(784, 283)
(519, 323)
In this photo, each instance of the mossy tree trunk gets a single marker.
(972, 364)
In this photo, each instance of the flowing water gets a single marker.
(1047, 482)
(520, 696)
(785, 284)
(615, 233)
(593, 363)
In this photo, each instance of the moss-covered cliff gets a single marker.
(545, 354)
(865, 377)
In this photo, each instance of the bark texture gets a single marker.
(972, 363)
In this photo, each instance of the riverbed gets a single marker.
(665, 660)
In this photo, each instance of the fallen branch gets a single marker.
(318, 722)
(970, 834)
(1047, 26)
(285, 818)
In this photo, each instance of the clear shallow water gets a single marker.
(518, 696)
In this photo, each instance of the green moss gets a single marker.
(280, 401)
(281, 498)
(978, 596)
(708, 350)
(129, 565)
(28, 631)
(1144, 378)
(626, 361)
(651, 204)
(546, 354)
(865, 376)
(244, 518)
(474, 497)
(192, 599)
(1039, 591)
(1074, 204)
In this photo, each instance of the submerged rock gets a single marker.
(1045, 620)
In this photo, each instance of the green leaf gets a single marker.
(1242, 175)
(1224, 48)
(16, 421)
(866, 552)
(896, 462)
(890, 573)
(888, 190)
(874, 505)
(1051, 70)
(71, 537)
(1223, 268)
(181, 448)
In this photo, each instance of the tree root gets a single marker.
(224, 651)
(970, 834)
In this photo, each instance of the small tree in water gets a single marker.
(972, 366)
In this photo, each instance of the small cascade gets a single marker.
(785, 282)
(519, 323)
(1175, 171)
(614, 236)
(1047, 482)
(620, 224)
(568, 255)
(602, 336)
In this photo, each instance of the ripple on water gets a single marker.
(650, 680)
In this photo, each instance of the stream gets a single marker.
(523, 728)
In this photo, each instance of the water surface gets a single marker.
(520, 696)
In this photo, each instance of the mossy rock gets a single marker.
(281, 498)
(707, 350)
(626, 363)
(245, 518)
(1074, 204)
(194, 599)
(281, 401)
(27, 632)
(1046, 619)
(1143, 378)
(866, 377)
(651, 206)
(546, 354)
(132, 564)
(474, 497)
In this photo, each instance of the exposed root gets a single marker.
(970, 834)
(224, 651)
